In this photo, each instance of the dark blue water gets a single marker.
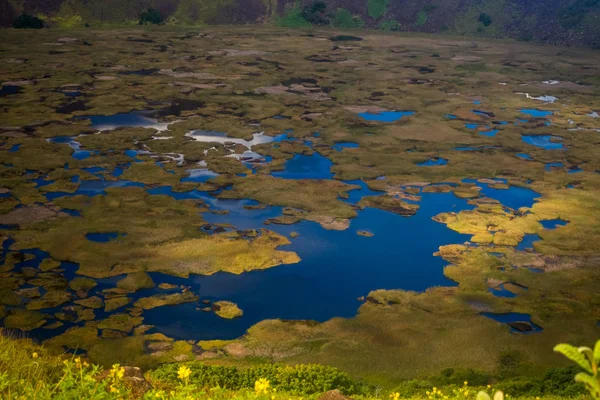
(524, 156)
(536, 113)
(527, 242)
(354, 196)
(306, 167)
(542, 141)
(14, 148)
(41, 181)
(471, 126)
(515, 197)
(78, 154)
(550, 166)
(130, 119)
(450, 116)
(491, 133)
(6, 90)
(553, 223)
(574, 170)
(102, 237)
(432, 162)
(500, 291)
(343, 145)
(331, 275)
(199, 175)
(513, 317)
(92, 188)
(385, 116)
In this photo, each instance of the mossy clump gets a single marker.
(159, 300)
(136, 281)
(389, 203)
(120, 322)
(227, 309)
(52, 298)
(90, 302)
(82, 284)
(24, 320)
(113, 303)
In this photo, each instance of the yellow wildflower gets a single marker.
(395, 396)
(184, 373)
(261, 386)
(466, 383)
(117, 372)
(35, 355)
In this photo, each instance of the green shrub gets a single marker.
(521, 386)
(150, 16)
(26, 21)
(571, 15)
(299, 379)
(589, 361)
(421, 18)
(485, 19)
(315, 13)
(343, 19)
(376, 8)
(390, 25)
(560, 382)
(293, 18)
(452, 376)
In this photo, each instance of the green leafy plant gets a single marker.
(587, 359)
(376, 8)
(421, 18)
(293, 17)
(390, 25)
(299, 379)
(150, 16)
(344, 19)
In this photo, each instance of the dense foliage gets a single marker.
(300, 379)
(26, 21)
(28, 371)
(344, 19)
(485, 19)
(151, 16)
(376, 8)
(315, 13)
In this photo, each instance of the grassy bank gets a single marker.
(30, 371)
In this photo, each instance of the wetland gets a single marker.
(221, 194)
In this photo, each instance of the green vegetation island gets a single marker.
(290, 200)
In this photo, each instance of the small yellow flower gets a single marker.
(395, 396)
(35, 355)
(184, 373)
(78, 360)
(261, 386)
(465, 383)
(489, 386)
(86, 364)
